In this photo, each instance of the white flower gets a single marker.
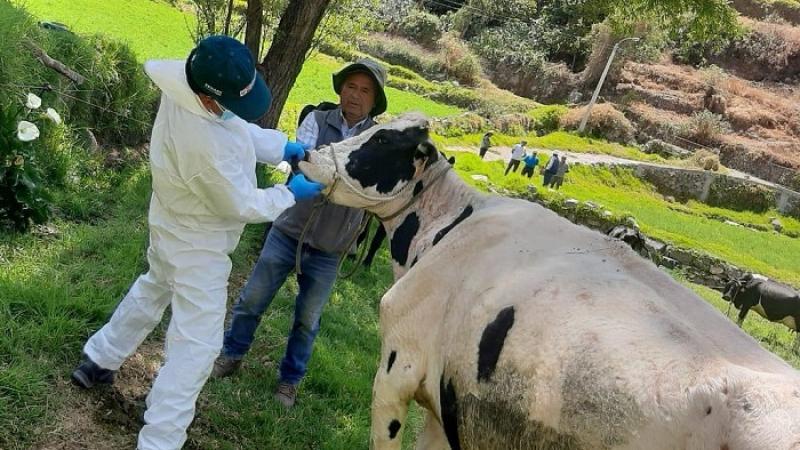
(33, 102)
(27, 131)
(284, 167)
(53, 115)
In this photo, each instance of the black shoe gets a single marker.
(89, 374)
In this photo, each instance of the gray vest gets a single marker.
(335, 225)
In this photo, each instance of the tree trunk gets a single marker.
(288, 51)
(229, 13)
(255, 22)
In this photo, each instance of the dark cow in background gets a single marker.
(774, 301)
(631, 236)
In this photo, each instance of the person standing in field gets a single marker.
(203, 155)
(485, 144)
(531, 161)
(517, 155)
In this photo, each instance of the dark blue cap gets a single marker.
(223, 68)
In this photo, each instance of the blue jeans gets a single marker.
(277, 259)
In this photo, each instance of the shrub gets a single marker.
(117, 101)
(459, 61)
(467, 123)
(401, 52)
(338, 49)
(548, 118)
(23, 198)
(422, 27)
(704, 128)
(705, 160)
(514, 63)
(605, 122)
(769, 51)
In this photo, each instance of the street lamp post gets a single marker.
(600, 83)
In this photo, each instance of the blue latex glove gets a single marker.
(302, 188)
(294, 151)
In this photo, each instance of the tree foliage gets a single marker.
(561, 30)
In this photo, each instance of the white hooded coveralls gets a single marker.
(204, 192)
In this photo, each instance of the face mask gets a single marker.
(227, 115)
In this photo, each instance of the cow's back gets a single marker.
(557, 335)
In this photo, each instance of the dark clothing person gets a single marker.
(361, 97)
(485, 144)
(563, 168)
(550, 170)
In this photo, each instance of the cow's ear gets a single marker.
(427, 152)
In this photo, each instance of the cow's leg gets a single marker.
(432, 436)
(398, 377)
(742, 315)
(377, 240)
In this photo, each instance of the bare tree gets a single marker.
(288, 51)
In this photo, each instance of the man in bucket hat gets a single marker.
(203, 157)
(361, 97)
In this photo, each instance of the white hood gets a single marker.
(170, 77)
(204, 167)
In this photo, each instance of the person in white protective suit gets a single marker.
(203, 157)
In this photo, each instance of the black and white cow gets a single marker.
(516, 329)
(773, 301)
(631, 236)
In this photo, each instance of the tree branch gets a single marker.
(56, 65)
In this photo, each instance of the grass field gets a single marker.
(56, 290)
(769, 253)
(154, 29)
(60, 284)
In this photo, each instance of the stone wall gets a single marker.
(698, 267)
(739, 158)
(720, 190)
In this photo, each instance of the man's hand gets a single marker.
(294, 151)
(302, 188)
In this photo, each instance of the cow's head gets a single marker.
(732, 289)
(375, 167)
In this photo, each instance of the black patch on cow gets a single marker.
(418, 188)
(387, 158)
(449, 407)
(402, 237)
(416, 260)
(392, 357)
(461, 217)
(492, 341)
(394, 427)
